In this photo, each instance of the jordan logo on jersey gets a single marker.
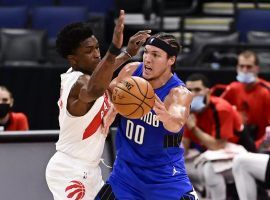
(97, 120)
(175, 171)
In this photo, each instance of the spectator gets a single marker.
(9, 120)
(251, 96)
(211, 125)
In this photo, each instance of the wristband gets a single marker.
(128, 54)
(114, 50)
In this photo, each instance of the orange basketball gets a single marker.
(133, 97)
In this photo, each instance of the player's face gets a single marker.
(247, 65)
(197, 88)
(156, 62)
(87, 56)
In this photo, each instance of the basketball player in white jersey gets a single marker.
(73, 172)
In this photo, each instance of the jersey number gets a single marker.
(135, 133)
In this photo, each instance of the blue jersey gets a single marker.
(146, 167)
(140, 141)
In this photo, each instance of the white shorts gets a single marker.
(70, 178)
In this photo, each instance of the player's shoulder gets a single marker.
(180, 90)
(81, 81)
(128, 69)
(179, 93)
(131, 67)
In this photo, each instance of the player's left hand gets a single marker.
(161, 111)
(136, 41)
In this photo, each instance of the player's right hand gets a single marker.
(117, 39)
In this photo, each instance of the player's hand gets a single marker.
(136, 41)
(117, 39)
(161, 111)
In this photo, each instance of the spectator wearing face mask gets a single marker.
(9, 120)
(209, 138)
(251, 96)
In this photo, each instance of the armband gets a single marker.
(114, 50)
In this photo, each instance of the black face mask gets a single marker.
(4, 109)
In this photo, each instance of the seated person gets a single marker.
(211, 126)
(9, 120)
(251, 96)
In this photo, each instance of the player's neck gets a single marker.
(161, 80)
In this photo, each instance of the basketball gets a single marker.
(133, 97)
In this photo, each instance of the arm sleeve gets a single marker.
(22, 123)
(226, 126)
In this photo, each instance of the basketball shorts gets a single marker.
(135, 183)
(70, 178)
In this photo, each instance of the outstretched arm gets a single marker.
(101, 76)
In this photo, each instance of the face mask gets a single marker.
(198, 104)
(4, 109)
(246, 77)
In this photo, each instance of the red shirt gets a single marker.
(17, 122)
(219, 119)
(253, 105)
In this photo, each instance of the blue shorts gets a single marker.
(161, 183)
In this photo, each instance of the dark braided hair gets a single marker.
(70, 37)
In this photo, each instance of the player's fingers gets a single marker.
(142, 32)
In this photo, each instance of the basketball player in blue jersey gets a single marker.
(149, 163)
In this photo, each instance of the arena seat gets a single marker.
(22, 46)
(93, 6)
(251, 20)
(200, 40)
(261, 38)
(28, 3)
(13, 17)
(52, 19)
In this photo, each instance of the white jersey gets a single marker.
(80, 137)
(73, 172)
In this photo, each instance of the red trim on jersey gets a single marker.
(97, 120)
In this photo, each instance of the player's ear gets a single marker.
(11, 102)
(171, 60)
(72, 60)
